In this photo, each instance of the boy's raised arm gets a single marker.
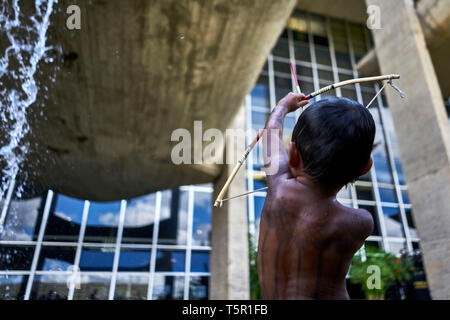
(276, 159)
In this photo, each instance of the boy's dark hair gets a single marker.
(335, 138)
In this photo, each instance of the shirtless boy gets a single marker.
(307, 238)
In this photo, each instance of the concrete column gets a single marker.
(229, 235)
(421, 127)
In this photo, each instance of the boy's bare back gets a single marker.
(307, 242)
(307, 238)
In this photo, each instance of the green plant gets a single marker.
(255, 290)
(378, 271)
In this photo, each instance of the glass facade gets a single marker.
(152, 247)
(158, 246)
(325, 51)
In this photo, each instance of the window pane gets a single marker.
(411, 224)
(198, 288)
(259, 203)
(93, 287)
(139, 220)
(396, 247)
(64, 220)
(131, 287)
(302, 51)
(322, 53)
(260, 93)
(12, 287)
(281, 48)
(56, 258)
(96, 259)
(282, 67)
(344, 193)
(393, 222)
(199, 261)
(102, 222)
(381, 164)
(134, 260)
(173, 217)
(21, 220)
(405, 197)
(16, 257)
(50, 287)
(201, 227)
(282, 87)
(364, 193)
(168, 260)
(349, 93)
(168, 287)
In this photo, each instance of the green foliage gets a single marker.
(255, 290)
(391, 269)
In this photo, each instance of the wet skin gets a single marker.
(307, 238)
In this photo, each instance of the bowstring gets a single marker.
(402, 95)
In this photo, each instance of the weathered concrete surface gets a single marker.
(136, 71)
(229, 235)
(421, 127)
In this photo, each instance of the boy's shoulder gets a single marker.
(358, 222)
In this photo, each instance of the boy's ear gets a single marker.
(367, 167)
(294, 155)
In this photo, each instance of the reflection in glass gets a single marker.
(21, 220)
(259, 203)
(102, 222)
(412, 226)
(173, 217)
(168, 287)
(93, 287)
(405, 197)
(393, 222)
(282, 67)
(198, 288)
(139, 220)
(388, 195)
(344, 193)
(14, 257)
(381, 164)
(199, 261)
(96, 259)
(281, 48)
(12, 287)
(282, 87)
(50, 287)
(134, 260)
(131, 287)
(64, 220)
(170, 260)
(395, 247)
(56, 258)
(201, 227)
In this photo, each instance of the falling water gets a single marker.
(25, 37)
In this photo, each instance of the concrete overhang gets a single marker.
(135, 72)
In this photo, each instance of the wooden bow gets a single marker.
(220, 197)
